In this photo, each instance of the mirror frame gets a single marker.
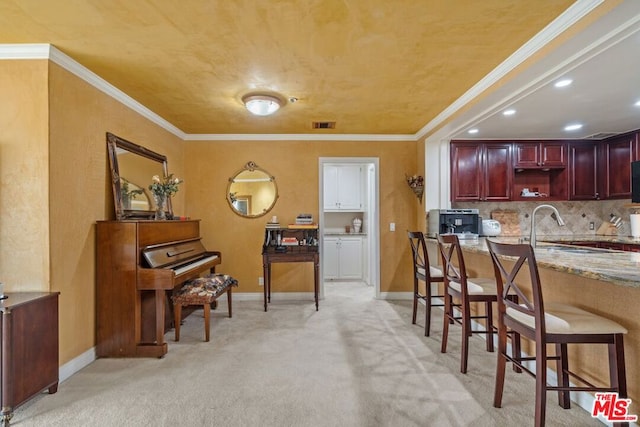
(251, 166)
(113, 144)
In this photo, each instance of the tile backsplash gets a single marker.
(576, 214)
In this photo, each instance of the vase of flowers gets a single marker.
(162, 189)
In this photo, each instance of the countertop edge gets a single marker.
(617, 267)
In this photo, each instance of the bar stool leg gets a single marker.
(448, 313)
(427, 315)
(562, 368)
(489, 325)
(415, 299)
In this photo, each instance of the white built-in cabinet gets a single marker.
(343, 187)
(343, 257)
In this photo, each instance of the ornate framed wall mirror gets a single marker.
(252, 191)
(132, 169)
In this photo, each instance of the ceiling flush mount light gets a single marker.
(573, 127)
(509, 112)
(261, 105)
(637, 104)
(563, 83)
(472, 131)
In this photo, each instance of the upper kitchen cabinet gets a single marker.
(481, 171)
(540, 170)
(540, 155)
(617, 155)
(343, 187)
(583, 170)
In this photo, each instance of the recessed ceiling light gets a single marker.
(509, 112)
(637, 104)
(473, 131)
(563, 83)
(573, 127)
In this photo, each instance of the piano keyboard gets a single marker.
(193, 265)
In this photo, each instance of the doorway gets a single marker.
(339, 206)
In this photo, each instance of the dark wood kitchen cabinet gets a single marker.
(617, 155)
(583, 170)
(29, 335)
(481, 171)
(540, 155)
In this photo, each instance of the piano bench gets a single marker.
(202, 291)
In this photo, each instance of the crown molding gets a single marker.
(568, 18)
(297, 137)
(47, 51)
(25, 51)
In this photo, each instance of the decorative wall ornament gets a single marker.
(416, 183)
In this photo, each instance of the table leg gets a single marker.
(265, 273)
(316, 271)
(269, 282)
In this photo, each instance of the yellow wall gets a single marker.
(80, 192)
(56, 185)
(295, 167)
(24, 169)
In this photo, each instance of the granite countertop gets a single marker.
(618, 267)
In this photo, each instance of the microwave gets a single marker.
(465, 223)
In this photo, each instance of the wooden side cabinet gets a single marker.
(29, 360)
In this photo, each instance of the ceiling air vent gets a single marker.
(323, 125)
(602, 135)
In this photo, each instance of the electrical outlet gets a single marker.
(392, 226)
(261, 281)
(592, 226)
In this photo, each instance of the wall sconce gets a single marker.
(416, 183)
(261, 105)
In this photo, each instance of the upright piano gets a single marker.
(138, 263)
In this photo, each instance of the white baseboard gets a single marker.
(74, 365)
(275, 296)
(396, 296)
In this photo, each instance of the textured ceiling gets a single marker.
(372, 66)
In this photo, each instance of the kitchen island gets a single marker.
(605, 282)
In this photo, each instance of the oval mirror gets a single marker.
(252, 191)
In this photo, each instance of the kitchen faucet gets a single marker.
(532, 236)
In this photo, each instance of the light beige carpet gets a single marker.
(356, 362)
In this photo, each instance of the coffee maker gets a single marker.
(465, 223)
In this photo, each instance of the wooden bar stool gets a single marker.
(466, 291)
(423, 271)
(202, 291)
(548, 323)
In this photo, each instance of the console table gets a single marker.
(278, 247)
(29, 336)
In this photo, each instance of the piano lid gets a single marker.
(173, 254)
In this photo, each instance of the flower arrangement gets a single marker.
(416, 182)
(167, 186)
